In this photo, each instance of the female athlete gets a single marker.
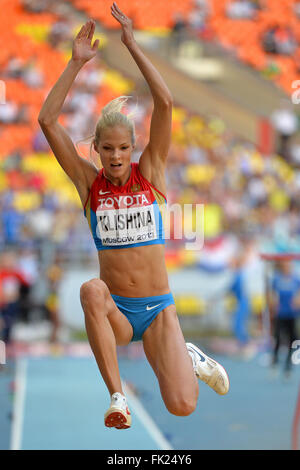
(131, 300)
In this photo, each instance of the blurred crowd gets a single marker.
(279, 40)
(238, 9)
(28, 292)
(264, 35)
(246, 195)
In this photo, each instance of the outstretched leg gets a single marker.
(106, 328)
(166, 351)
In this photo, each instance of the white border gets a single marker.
(146, 420)
(18, 405)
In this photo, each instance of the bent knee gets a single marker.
(182, 407)
(92, 290)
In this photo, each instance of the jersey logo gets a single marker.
(150, 308)
(103, 192)
(135, 188)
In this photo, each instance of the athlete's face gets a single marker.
(115, 149)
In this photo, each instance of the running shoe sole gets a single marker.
(115, 418)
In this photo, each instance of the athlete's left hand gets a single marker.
(126, 23)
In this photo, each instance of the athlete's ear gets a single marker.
(95, 146)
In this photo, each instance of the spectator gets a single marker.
(268, 41)
(242, 310)
(258, 4)
(178, 33)
(9, 112)
(41, 223)
(32, 76)
(285, 42)
(54, 276)
(284, 299)
(198, 20)
(11, 223)
(60, 31)
(279, 40)
(36, 6)
(198, 16)
(285, 122)
(28, 267)
(11, 280)
(14, 68)
(241, 9)
(297, 9)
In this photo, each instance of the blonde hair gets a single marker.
(111, 116)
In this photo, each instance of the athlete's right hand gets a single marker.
(83, 50)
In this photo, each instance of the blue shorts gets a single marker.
(141, 311)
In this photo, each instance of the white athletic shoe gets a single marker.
(118, 415)
(208, 370)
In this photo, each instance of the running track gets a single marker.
(59, 403)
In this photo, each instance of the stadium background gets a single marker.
(230, 67)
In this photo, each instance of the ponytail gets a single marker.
(111, 116)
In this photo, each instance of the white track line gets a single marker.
(146, 420)
(18, 405)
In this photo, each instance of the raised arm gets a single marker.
(155, 154)
(81, 172)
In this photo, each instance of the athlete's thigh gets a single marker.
(120, 324)
(166, 351)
